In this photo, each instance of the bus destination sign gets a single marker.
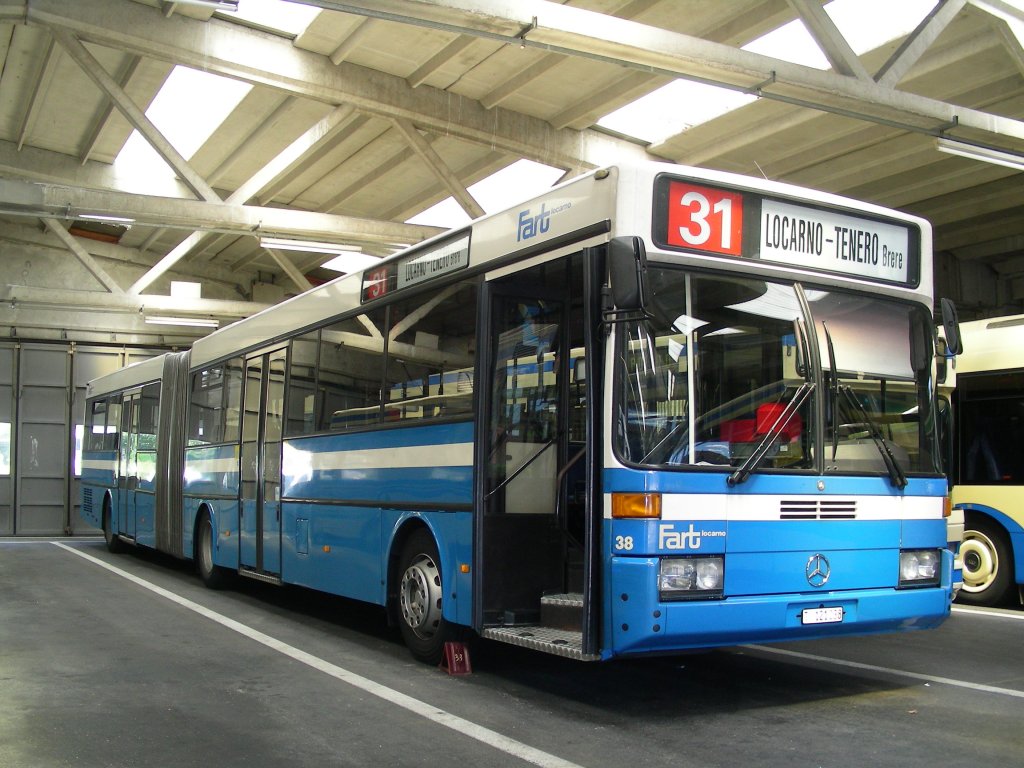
(825, 239)
(426, 265)
(744, 224)
(415, 268)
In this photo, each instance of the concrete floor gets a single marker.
(142, 666)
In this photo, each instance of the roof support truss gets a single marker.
(577, 32)
(134, 115)
(83, 256)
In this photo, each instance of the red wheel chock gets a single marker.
(456, 659)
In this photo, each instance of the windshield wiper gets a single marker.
(834, 388)
(748, 466)
(899, 479)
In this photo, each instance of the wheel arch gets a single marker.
(405, 528)
(203, 509)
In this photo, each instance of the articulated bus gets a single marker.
(988, 458)
(655, 409)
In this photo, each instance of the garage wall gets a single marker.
(42, 407)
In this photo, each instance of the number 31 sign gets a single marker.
(705, 219)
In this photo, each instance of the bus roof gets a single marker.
(134, 375)
(578, 212)
(494, 237)
(994, 344)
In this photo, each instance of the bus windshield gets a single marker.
(727, 372)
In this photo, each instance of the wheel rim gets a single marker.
(205, 547)
(981, 561)
(420, 597)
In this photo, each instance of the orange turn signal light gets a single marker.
(947, 506)
(636, 505)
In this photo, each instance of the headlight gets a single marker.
(920, 567)
(691, 578)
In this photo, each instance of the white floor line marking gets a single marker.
(428, 711)
(889, 671)
(992, 613)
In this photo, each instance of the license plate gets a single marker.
(821, 615)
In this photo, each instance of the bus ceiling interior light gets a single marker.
(198, 322)
(307, 246)
(985, 154)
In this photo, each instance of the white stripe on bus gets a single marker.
(110, 464)
(213, 466)
(764, 507)
(406, 457)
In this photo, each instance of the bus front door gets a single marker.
(532, 541)
(262, 422)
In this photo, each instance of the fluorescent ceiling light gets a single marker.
(217, 5)
(199, 322)
(350, 262)
(109, 219)
(985, 154)
(306, 246)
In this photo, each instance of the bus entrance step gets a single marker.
(555, 641)
(562, 611)
(266, 578)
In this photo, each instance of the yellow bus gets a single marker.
(988, 458)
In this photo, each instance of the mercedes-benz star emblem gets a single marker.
(818, 570)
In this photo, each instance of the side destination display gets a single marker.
(417, 267)
(746, 224)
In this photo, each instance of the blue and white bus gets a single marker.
(655, 409)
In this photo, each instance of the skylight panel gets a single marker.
(790, 42)
(519, 181)
(672, 109)
(190, 106)
(289, 18)
(868, 24)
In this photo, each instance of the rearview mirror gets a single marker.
(951, 327)
(627, 259)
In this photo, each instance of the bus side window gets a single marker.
(429, 372)
(301, 418)
(215, 404)
(349, 372)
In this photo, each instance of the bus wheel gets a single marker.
(424, 629)
(988, 564)
(212, 575)
(114, 544)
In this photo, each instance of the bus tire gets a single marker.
(987, 564)
(420, 592)
(213, 576)
(113, 542)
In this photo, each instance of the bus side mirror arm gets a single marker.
(951, 327)
(629, 294)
